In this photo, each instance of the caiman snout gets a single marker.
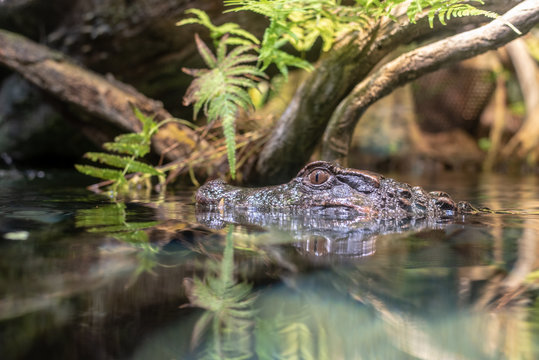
(321, 185)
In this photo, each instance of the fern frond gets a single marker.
(134, 145)
(105, 174)
(201, 17)
(149, 126)
(221, 89)
(205, 52)
(244, 82)
(123, 162)
(229, 131)
(445, 10)
(234, 29)
(131, 144)
(243, 70)
(217, 32)
(232, 61)
(240, 97)
(221, 49)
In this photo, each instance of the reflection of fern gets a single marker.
(228, 308)
(134, 145)
(111, 219)
(289, 333)
(221, 89)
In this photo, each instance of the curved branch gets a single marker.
(301, 126)
(410, 66)
(525, 143)
(101, 97)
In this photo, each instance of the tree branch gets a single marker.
(410, 66)
(302, 125)
(103, 98)
(525, 143)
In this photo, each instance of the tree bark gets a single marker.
(102, 98)
(410, 66)
(303, 123)
(136, 40)
(526, 141)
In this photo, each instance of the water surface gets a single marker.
(86, 278)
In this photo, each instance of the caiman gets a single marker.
(327, 187)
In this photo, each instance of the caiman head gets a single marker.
(323, 186)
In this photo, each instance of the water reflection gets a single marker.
(154, 279)
(322, 234)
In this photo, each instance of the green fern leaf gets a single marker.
(149, 126)
(105, 174)
(441, 17)
(229, 131)
(240, 97)
(123, 162)
(127, 148)
(245, 34)
(133, 144)
(238, 41)
(201, 18)
(221, 50)
(232, 61)
(205, 52)
(244, 82)
(188, 21)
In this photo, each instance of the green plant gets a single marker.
(128, 148)
(111, 219)
(228, 306)
(235, 35)
(222, 89)
(447, 9)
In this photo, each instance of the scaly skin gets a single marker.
(322, 186)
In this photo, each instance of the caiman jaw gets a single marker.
(362, 210)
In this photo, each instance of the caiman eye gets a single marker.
(318, 177)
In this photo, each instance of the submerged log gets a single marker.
(102, 98)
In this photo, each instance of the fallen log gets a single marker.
(103, 98)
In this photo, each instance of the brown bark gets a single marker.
(525, 143)
(413, 64)
(136, 40)
(302, 125)
(104, 99)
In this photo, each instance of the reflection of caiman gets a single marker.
(335, 190)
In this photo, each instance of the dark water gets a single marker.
(84, 278)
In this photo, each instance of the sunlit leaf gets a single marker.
(105, 174)
(128, 163)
